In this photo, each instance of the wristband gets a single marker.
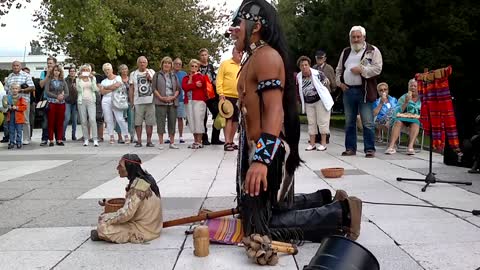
(266, 148)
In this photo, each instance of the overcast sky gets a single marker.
(20, 30)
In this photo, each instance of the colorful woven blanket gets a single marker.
(225, 230)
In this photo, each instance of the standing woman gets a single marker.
(56, 90)
(124, 74)
(86, 89)
(166, 90)
(110, 84)
(195, 85)
(316, 101)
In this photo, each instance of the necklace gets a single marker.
(253, 48)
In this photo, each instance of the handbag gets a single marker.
(120, 98)
(209, 87)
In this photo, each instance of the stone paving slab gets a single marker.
(114, 260)
(227, 257)
(453, 256)
(429, 231)
(402, 238)
(30, 260)
(44, 239)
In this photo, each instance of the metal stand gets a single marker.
(430, 178)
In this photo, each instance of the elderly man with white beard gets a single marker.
(356, 74)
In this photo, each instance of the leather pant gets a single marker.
(312, 217)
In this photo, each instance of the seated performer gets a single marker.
(140, 219)
(407, 114)
(270, 132)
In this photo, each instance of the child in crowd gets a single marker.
(16, 106)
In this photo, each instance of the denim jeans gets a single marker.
(70, 113)
(15, 130)
(354, 104)
(45, 126)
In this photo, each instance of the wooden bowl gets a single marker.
(333, 172)
(112, 205)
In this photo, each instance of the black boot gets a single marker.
(311, 200)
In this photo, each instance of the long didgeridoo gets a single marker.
(200, 217)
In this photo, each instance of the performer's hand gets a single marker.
(256, 175)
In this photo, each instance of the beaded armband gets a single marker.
(266, 148)
(268, 85)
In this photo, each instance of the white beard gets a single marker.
(356, 46)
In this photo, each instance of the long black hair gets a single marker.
(134, 170)
(272, 34)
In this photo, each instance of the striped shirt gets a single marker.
(19, 78)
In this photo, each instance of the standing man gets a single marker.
(51, 62)
(71, 103)
(177, 67)
(26, 87)
(142, 95)
(357, 71)
(212, 104)
(227, 90)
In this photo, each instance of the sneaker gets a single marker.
(138, 144)
(310, 147)
(51, 144)
(321, 148)
(390, 151)
(411, 152)
(149, 144)
(160, 147)
(173, 146)
(11, 146)
(4, 140)
(182, 140)
(340, 195)
(19, 146)
(26, 142)
(74, 138)
(166, 141)
(95, 143)
(85, 143)
(43, 143)
(60, 143)
(355, 206)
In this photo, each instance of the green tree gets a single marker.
(35, 48)
(99, 31)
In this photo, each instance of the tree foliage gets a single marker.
(412, 35)
(99, 31)
(7, 5)
(35, 48)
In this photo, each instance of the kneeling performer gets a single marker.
(270, 132)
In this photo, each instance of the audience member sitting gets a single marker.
(383, 109)
(407, 113)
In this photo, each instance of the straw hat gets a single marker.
(225, 108)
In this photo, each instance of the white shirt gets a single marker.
(142, 88)
(106, 82)
(353, 60)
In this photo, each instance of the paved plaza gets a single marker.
(48, 205)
